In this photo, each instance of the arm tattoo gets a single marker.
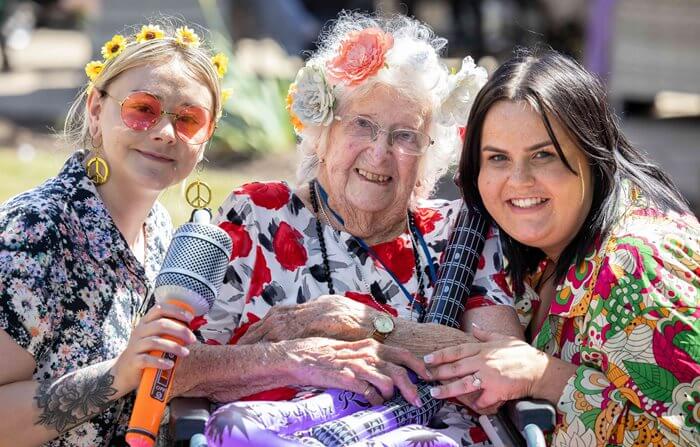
(75, 397)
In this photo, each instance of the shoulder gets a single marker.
(655, 251)
(33, 217)
(436, 216)
(252, 201)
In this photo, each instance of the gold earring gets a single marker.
(96, 166)
(198, 193)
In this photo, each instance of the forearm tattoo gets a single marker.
(75, 397)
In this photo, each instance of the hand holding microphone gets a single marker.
(187, 285)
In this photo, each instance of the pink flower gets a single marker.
(361, 55)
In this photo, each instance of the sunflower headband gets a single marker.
(184, 36)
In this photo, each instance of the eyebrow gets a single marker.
(534, 147)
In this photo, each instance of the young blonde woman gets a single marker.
(79, 253)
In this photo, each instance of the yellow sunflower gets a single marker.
(186, 37)
(93, 69)
(220, 61)
(113, 47)
(150, 32)
(226, 94)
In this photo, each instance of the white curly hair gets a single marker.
(413, 69)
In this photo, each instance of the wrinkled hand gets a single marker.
(161, 320)
(330, 316)
(365, 367)
(507, 368)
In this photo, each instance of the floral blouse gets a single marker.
(276, 259)
(628, 315)
(70, 287)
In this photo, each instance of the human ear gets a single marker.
(94, 109)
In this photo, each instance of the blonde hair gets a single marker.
(414, 72)
(196, 61)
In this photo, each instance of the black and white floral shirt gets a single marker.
(70, 287)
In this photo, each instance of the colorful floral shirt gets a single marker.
(276, 259)
(628, 315)
(70, 288)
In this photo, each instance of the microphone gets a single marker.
(190, 278)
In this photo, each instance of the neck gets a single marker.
(372, 227)
(128, 207)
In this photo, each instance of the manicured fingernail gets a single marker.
(428, 358)
(434, 391)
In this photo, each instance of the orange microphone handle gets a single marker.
(152, 395)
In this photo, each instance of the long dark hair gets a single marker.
(558, 87)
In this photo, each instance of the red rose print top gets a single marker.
(276, 258)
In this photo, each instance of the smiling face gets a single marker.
(371, 178)
(524, 184)
(155, 158)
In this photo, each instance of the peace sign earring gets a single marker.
(96, 166)
(198, 193)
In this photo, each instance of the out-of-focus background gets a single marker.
(647, 51)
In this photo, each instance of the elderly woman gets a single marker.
(327, 281)
(604, 257)
(79, 253)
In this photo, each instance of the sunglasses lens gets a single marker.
(140, 111)
(194, 124)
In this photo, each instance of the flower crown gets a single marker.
(310, 100)
(184, 36)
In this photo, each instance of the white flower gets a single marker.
(312, 99)
(462, 89)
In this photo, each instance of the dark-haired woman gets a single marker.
(604, 262)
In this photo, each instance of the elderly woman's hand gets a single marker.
(330, 316)
(500, 367)
(365, 367)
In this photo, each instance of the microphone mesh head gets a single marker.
(194, 266)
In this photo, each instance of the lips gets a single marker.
(527, 202)
(155, 156)
(372, 177)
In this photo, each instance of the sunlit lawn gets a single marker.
(17, 175)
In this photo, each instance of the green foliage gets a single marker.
(255, 119)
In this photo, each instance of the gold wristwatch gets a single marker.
(383, 326)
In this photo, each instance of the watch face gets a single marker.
(384, 324)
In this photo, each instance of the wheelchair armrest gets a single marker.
(523, 412)
(507, 427)
(188, 417)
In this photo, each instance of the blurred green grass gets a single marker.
(18, 175)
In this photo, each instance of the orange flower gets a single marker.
(296, 122)
(361, 54)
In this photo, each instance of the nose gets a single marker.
(380, 145)
(164, 130)
(522, 174)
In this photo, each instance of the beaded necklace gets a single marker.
(319, 210)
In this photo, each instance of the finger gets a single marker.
(156, 343)
(401, 380)
(143, 361)
(457, 369)
(460, 386)
(405, 358)
(483, 335)
(167, 310)
(452, 353)
(163, 327)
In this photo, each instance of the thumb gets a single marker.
(484, 335)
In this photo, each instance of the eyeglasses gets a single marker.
(141, 111)
(406, 141)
